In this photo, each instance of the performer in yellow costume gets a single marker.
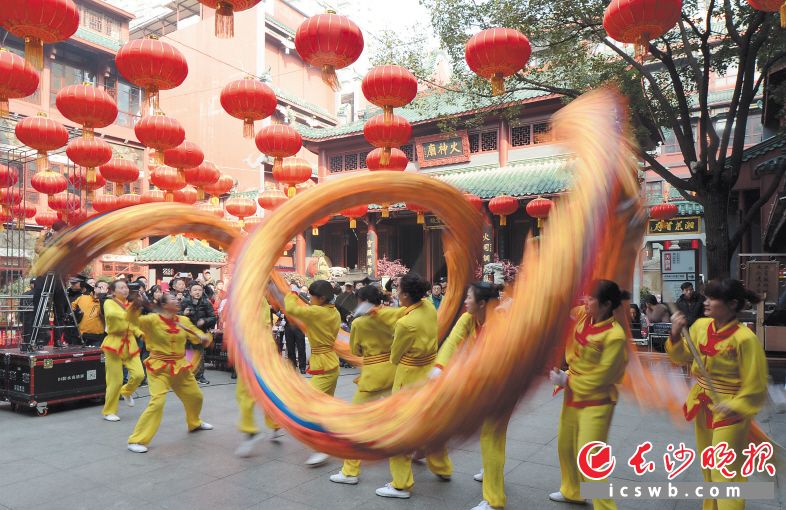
(246, 403)
(413, 352)
(322, 322)
(370, 338)
(596, 359)
(120, 350)
(482, 299)
(166, 334)
(734, 359)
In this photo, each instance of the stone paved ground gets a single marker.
(71, 459)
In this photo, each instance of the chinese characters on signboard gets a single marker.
(488, 244)
(683, 225)
(371, 253)
(762, 278)
(443, 149)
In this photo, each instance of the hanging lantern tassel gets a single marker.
(248, 128)
(497, 84)
(214, 200)
(225, 20)
(181, 174)
(783, 15)
(329, 76)
(314, 231)
(149, 101)
(503, 220)
(204, 242)
(540, 222)
(157, 158)
(384, 158)
(34, 52)
(421, 218)
(353, 223)
(387, 112)
(4, 107)
(42, 162)
(200, 194)
(90, 175)
(385, 211)
(241, 223)
(169, 196)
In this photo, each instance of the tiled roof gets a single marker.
(279, 25)
(301, 103)
(762, 148)
(181, 250)
(106, 42)
(428, 107)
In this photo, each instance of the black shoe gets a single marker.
(302, 370)
(233, 376)
(202, 380)
(143, 383)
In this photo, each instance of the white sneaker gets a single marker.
(137, 448)
(483, 505)
(340, 477)
(111, 417)
(317, 459)
(479, 477)
(203, 426)
(246, 448)
(559, 498)
(275, 434)
(388, 491)
(130, 401)
(445, 478)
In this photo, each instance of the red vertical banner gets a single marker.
(372, 251)
(300, 254)
(487, 247)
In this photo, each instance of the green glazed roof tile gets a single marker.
(181, 250)
(278, 24)
(762, 148)
(106, 42)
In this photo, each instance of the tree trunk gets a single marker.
(716, 226)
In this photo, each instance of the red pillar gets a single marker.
(322, 165)
(300, 254)
(504, 142)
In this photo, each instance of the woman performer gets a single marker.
(121, 350)
(733, 388)
(596, 359)
(322, 322)
(166, 334)
(482, 300)
(413, 352)
(371, 338)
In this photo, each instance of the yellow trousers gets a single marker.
(187, 390)
(736, 436)
(577, 427)
(401, 468)
(326, 383)
(114, 379)
(352, 466)
(492, 450)
(246, 404)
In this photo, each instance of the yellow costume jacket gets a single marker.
(372, 339)
(322, 324)
(415, 345)
(596, 356)
(91, 322)
(166, 340)
(735, 361)
(121, 334)
(464, 328)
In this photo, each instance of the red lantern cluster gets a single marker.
(64, 203)
(353, 213)
(292, 172)
(663, 212)
(225, 10)
(168, 179)
(78, 177)
(503, 206)
(640, 21)
(387, 135)
(46, 218)
(18, 79)
(539, 208)
(213, 209)
(105, 203)
(389, 87)
(120, 171)
(159, 132)
(128, 200)
(271, 198)
(222, 186)
(187, 195)
(39, 22)
(496, 53)
(202, 175)
(153, 196)
(185, 156)
(8, 177)
(42, 134)
(279, 141)
(241, 207)
(89, 153)
(152, 65)
(248, 100)
(475, 201)
(329, 41)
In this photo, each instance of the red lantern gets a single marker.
(475, 201)
(663, 213)
(8, 177)
(771, 6)
(202, 175)
(319, 223)
(43, 135)
(10, 196)
(225, 9)
(213, 209)
(640, 21)
(540, 209)
(240, 206)
(271, 198)
(186, 155)
(152, 196)
(187, 195)
(398, 160)
(252, 222)
(288, 246)
(48, 182)
(389, 87)
(168, 179)
(353, 213)
(46, 218)
(18, 79)
(420, 211)
(78, 179)
(120, 171)
(64, 202)
(152, 65)
(105, 203)
(23, 212)
(387, 135)
(496, 53)
(89, 153)
(39, 22)
(503, 206)
(128, 200)
(73, 217)
(293, 171)
(222, 186)
(87, 105)
(159, 132)
(248, 100)
(330, 42)
(279, 141)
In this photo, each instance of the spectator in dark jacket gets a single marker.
(346, 302)
(200, 311)
(690, 303)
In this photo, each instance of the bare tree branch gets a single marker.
(682, 185)
(728, 15)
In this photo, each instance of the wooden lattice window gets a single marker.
(351, 162)
(363, 155)
(541, 133)
(474, 142)
(521, 135)
(336, 163)
(488, 141)
(409, 150)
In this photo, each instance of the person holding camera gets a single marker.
(87, 310)
(199, 311)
